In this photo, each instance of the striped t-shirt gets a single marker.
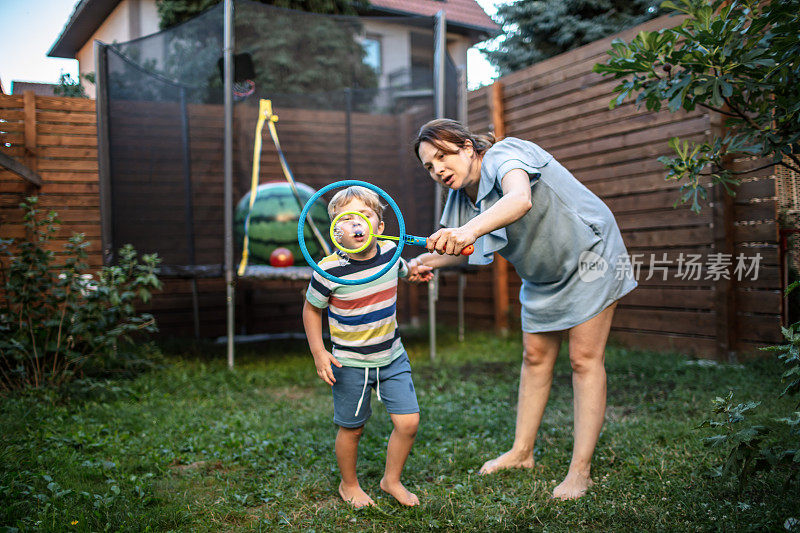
(362, 318)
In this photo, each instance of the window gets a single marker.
(372, 52)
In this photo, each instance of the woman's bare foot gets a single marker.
(573, 487)
(510, 459)
(400, 493)
(354, 495)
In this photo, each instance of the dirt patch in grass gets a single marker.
(292, 394)
(197, 466)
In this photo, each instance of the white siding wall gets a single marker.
(118, 27)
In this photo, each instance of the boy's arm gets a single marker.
(420, 268)
(312, 323)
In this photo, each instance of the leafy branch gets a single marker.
(738, 58)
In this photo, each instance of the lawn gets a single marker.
(195, 447)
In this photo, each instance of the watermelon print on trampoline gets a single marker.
(273, 222)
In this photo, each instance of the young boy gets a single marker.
(367, 350)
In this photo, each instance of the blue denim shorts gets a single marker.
(352, 391)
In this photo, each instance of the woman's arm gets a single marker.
(516, 201)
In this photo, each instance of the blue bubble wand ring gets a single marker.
(403, 239)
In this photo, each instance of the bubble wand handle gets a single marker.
(422, 241)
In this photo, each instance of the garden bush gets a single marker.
(58, 320)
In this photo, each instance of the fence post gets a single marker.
(29, 117)
(499, 264)
(724, 289)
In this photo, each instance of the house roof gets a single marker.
(87, 16)
(465, 15)
(40, 89)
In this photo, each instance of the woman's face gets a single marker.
(452, 170)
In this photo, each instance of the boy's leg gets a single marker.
(400, 442)
(347, 455)
(348, 392)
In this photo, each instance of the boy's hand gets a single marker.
(418, 273)
(323, 362)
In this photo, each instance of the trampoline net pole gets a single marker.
(440, 42)
(228, 100)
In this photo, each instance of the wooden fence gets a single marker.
(558, 103)
(56, 138)
(563, 106)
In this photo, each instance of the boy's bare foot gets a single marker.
(573, 487)
(510, 459)
(400, 493)
(354, 495)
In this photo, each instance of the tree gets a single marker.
(69, 87)
(538, 29)
(293, 53)
(737, 58)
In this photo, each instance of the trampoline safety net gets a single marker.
(341, 114)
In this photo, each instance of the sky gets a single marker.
(28, 28)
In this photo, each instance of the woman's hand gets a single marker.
(451, 241)
(323, 361)
(418, 272)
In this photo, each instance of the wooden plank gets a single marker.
(62, 164)
(761, 211)
(695, 346)
(59, 103)
(664, 219)
(68, 129)
(760, 232)
(647, 152)
(67, 152)
(759, 328)
(763, 302)
(21, 170)
(762, 188)
(29, 102)
(499, 265)
(670, 298)
(10, 101)
(66, 118)
(68, 140)
(665, 320)
(661, 237)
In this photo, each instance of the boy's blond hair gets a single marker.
(370, 199)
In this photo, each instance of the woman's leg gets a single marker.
(346, 455)
(540, 351)
(587, 344)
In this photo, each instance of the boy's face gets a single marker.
(354, 230)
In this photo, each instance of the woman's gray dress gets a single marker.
(567, 249)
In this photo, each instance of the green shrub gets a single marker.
(57, 320)
(771, 445)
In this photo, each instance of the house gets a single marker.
(390, 49)
(40, 89)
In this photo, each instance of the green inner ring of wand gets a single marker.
(351, 250)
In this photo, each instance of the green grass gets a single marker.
(194, 447)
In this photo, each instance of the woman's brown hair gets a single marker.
(442, 130)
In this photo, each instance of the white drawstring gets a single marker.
(377, 389)
(361, 399)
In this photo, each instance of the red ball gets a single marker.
(281, 257)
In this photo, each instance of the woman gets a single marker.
(514, 198)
